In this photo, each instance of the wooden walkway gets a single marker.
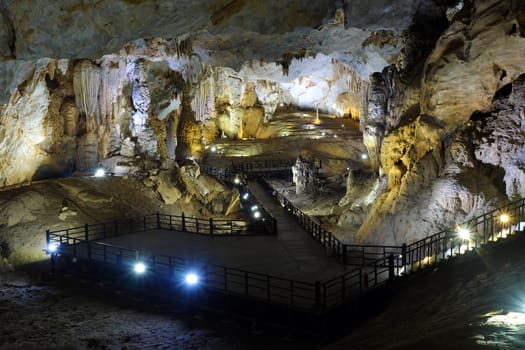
(292, 253)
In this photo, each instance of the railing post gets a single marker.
(158, 220)
(183, 217)
(268, 285)
(211, 226)
(360, 280)
(89, 250)
(86, 232)
(246, 282)
(318, 294)
(197, 225)
(391, 272)
(144, 222)
(375, 272)
(344, 254)
(48, 239)
(404, 254)
(274, 223)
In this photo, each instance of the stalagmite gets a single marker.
(140, 96)
(374, 128)
(69, 112)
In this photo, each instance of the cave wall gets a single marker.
(437, 174)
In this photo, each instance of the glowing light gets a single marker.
(323, 133)
(305, 115)
(213, 148)
(364, 156)
(236, 181)
(257, 214)
(463, 233)
(281, 104)
(52, 247)
(191, 279)
(254, 207)
(504, 218)
(245, 196)
(139, 268)
(510, 319)
(335, 136)
(100, 172)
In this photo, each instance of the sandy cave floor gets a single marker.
(56, 311)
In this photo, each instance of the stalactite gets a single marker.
(184, 47)
(203, 102)
(112, 78)
(86, 83)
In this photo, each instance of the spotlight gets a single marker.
(335, 136)
(213, 148)
(364, 156)
(463, 233)
(139, 268)
(323, 133)
(52, 247)
(254, 207)
(281, 104)
(245, 196)
(236, 181)
(100, 172)
(504, 218)
(191, 279)
(257, 214)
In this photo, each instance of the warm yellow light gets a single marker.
(463, 233)
(504, 218)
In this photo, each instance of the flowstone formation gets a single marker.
(145, 88)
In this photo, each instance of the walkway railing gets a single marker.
(250, 168)
(81, 242)
(350, 254)
(169, 222)
(479, 231)
(233, 281)
(311, 296)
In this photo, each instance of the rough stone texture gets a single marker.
(159, 81)
(498, 136)
(209, 191)
(480, 52)
(304, 176)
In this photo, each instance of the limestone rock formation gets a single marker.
(138, 85)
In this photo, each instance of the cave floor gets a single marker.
(289, 135)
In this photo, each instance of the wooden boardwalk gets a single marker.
(292, 253)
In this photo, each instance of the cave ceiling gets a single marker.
(365, 35)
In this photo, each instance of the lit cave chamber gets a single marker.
(344, 147)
